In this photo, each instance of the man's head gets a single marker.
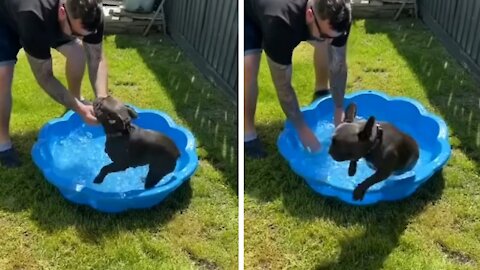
(329, 18)
(80, 17)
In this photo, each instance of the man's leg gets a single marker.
(251, 64)
(75, 65)
(252, 145)
(320, 62)
(8, 156)
(9, 47)
(6, 78)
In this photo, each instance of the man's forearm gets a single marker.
(338, 74)
(59, 93)
(289, 103)
(42, 70)
(281, 76)
(339, 84)
(97, 69)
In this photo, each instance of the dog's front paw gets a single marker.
(359, 193)
(352, 168)
(98, 179)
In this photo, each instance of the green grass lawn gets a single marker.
(289, 226)
(195, 228)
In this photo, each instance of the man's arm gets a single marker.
(97, 68)
(282, 76)
(42, 70)
(338, 73)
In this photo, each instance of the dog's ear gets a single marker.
(350, 113)
(133, 114)
(365, 134)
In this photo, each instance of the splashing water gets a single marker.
(81, 156)
(323, 168)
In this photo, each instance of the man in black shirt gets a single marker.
(75, 29)
(277, 27)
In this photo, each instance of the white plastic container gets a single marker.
(138, 6)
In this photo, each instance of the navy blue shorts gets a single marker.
(253, 37)
(9, 45)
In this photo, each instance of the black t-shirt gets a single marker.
(36, 24)
(283, 26)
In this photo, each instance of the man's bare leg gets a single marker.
(8, 156)
(251, 67)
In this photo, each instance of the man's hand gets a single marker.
(309, 140)
(86, 112)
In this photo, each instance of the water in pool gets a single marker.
(325, 169)
(81, 156)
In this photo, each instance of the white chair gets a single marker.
(404, 3)
(160, 13)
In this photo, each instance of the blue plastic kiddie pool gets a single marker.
(70, 154)
(330, 178)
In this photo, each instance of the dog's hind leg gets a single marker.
(155, 174)
(112, 167)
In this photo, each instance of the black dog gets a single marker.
(383, 146)
(128, 145)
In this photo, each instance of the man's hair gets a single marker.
(338, 11)
(89, 11)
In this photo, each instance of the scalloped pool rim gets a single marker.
(93, 197)
(385, 194)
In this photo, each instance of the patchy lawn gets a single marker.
(287, 225)
(196, 227)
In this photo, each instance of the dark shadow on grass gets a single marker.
(384, 223)
(450, 89)
(210, 116)
(25, 189)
